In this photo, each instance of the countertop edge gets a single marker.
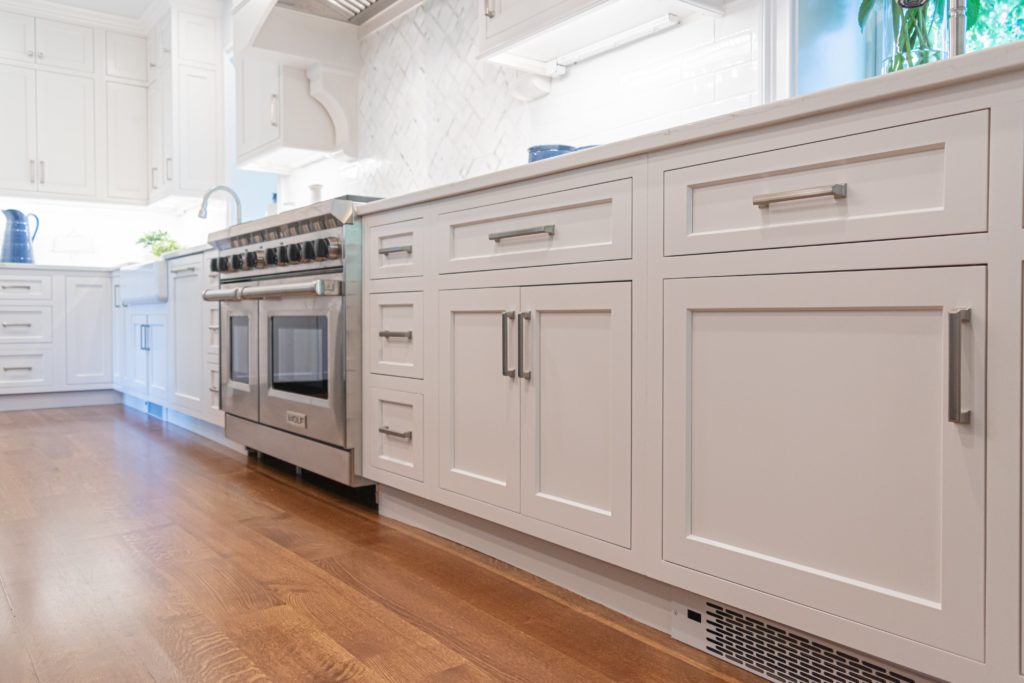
(983, 64)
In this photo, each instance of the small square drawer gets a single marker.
(591, 223)
(26, 324)
(396, 250)
(918, 180)
(396, 440)
(25, 368)
(396, 334)
(27, 287)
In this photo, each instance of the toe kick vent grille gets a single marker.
(787, 657)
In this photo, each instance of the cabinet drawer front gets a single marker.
(924, 179)
(396, 250)
(26, 324)
(396, 437)
(808, 446)
(396, 334)
(28, 287)
(25, 368)
(592, 223)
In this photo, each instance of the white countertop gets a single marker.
(186, 251)
(37, 266)
(971, 67)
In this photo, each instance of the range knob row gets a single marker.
(304, 252)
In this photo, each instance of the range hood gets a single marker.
(350, 11)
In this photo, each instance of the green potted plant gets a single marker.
(158, 242)
(911, 32)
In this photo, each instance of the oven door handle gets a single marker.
(233, 294)
(298, 289)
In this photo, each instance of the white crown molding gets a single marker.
(47, 9)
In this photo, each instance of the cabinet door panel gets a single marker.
(259, 104)
(136, 377)
(18, 128)
(17, 38)
(89, 326)
(159, 378)
(188, 354)
(808, 451)
(127, 141)
(479, 404)
(67, 46)
(197, 145)
(156, 114)
(67, 134)
(577, 403)
(197, 39)
(126, 56)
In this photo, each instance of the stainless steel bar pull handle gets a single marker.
(387, 251)
(13, 368)
(233, 294)
(957, 319)
(32, 171)
(15, 286)
(42, 170)
(15, 324)
(489, 9)
(505, 318)
(392, 334)
(273, 111)
(763, 201)
(523, 374)
(183, 269)
(548, 230)
(298, 289)
(390, 432)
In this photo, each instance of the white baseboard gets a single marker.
(199, 427)
(59, 399)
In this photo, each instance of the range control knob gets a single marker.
(236, 262)
(250, 259)
(309, 251)
(214, 263)
(282, 255)
(222, 264)
(271, 257)
(294, 253)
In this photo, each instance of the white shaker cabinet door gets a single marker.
(126, 57)
(66, 118)
(187, 347)
(18, 168)
(159, 361)
(197, 145)
(259, 103)
(17, 38)
(63, 45)
(127, 159)
(814, 446)
(136, 371)
(479, 395)
(89, 330)
(575, 371)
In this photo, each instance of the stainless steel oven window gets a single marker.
(239, 340)
(298, 355)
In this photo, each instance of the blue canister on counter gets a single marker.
(539, 152)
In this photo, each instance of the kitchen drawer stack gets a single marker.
(779, 368)
(54, 331)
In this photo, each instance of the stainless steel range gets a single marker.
(290, 350)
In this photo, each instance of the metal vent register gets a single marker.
(351, 11)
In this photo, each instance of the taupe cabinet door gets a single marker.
(809, 445)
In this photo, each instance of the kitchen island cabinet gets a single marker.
(774, 375)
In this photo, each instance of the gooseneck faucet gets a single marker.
(222, 188)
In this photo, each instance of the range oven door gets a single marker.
(302, 359)
(239, 359)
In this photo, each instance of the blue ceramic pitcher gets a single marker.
(17, 240)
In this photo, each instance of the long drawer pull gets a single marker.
(15, 324)
(215, 390)
(13, 368)
(763, 201)
(213, 327)
(957, 319)
(548, 230)
(506, 317)
(523, 374)
(183, 269)
(15, 286)
(387, 251)
(390, 432)
(392, 334)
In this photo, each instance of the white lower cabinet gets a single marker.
(146, 375)
(536, 402)
(396, 430)
(817, 444)
(88, 325)
(186, 341)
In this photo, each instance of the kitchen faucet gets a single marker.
(222, 188)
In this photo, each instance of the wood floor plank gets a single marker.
(131, 550)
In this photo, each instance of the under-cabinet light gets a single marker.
(618, 40)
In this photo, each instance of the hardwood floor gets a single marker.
(134, 551)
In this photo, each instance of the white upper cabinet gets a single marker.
(18, 129)
(89, 326)
(127, 160)
(817, 445)
(17, 37)
(197, 40)
(66, 116)
(259, 103)
(65, 46)
(158, 46)
(126, 56)
(198, 135)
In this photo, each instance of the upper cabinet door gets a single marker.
(198, 142)
(18, 168)
(259, 104)
(502, 15)
(89, 328)
(480, 395)
(157, 111)
(815, 447)
(126, 56)
(17, 37)
(575, 374)
(67, 46)
(197, 39)
(127, 161)
(158, 46)
(67, 134)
